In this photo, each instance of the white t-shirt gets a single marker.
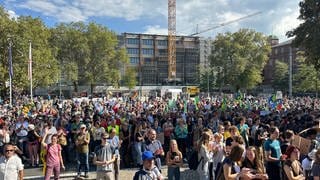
(9, 168)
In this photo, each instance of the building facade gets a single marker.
(280, 52)
(149, 55)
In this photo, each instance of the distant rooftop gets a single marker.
(283, 43)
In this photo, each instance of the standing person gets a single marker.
(82, 146)
(11, 167)
(104, 157)
(155, 147)
(174, 161)
(273, 154)
(206, 156)
(115, 142)
(125, 136)
(33, 145)
(244, 130)
(316, 166)
(181, 132)
(231, 168)
(138, 145)
(167, 132)
(292, 166)
(252, 162)
(53, 156)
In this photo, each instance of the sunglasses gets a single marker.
(9, 150)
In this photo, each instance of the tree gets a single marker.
(207, 78)
(281, 76)
(20, 31)
(240, 58)
(89, 54)
(130, 77)
(307, 34)
(307, 77)
(71, 50)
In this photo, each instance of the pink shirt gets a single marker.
(53, 155)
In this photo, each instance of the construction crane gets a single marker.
(171, 40)
(226, 23)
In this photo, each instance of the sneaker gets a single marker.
(86, 176)
(78, 176)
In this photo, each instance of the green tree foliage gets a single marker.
(20, 31)
(89, 53)
(307, 77)
(240, 58)
(281, 76)
(307, 34)
(130, 77)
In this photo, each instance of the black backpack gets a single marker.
(193, 160)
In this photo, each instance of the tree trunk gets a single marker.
(75, 85)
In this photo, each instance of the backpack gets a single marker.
(194, 161)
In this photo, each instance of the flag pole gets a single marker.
(30, 70)
(10, 70)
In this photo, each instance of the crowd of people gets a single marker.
(219, 137)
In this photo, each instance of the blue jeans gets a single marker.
(138, 150)
(173, 172)
(83, 160)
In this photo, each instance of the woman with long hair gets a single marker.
(292, 167)
(174, 160)
(138, 144)
(316, 166)
(231, 165)
(205, 156)
(252, 162)
(53, 156)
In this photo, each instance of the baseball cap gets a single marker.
(83, 126)
(147, 155)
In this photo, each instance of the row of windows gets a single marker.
(136, 51)
(132, 50)
(146, 41)
(134, 60)
(147, 51)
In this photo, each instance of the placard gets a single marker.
(303, 143)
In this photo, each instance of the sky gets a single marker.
(275, 17)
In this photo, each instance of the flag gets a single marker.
(224, 104)
(196, 101)
(30, 63)
(10, 62)
(185, 104)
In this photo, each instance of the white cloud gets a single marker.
(156, 29)
(276, 18)
(12, 14)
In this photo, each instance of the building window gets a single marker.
(275, 51)
(133, 41)
(133, 51)
(147, 60)
(134, 60)
(147, 51)
(162, 43)
(147, 42)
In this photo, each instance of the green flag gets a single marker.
(196, 101)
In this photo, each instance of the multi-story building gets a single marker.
(149, 54)
(280, 52)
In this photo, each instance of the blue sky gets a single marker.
(150, 16)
